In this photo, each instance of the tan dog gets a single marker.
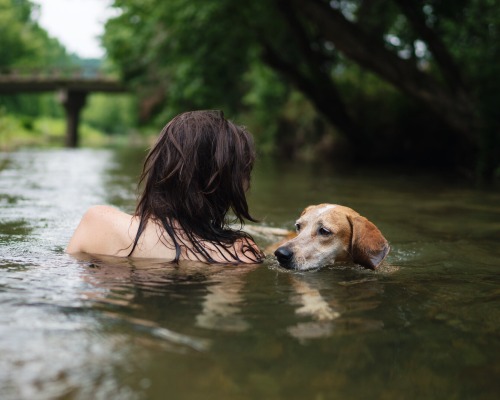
(327, 233)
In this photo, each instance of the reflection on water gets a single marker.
(424, 326)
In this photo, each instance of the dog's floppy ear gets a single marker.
(368, 246)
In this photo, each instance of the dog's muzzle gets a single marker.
(284, 256)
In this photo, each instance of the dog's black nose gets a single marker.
(284, 255)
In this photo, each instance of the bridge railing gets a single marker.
(53, 73)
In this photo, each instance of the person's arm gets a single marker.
(102, 230)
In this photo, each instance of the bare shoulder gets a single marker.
(105, 216)
(100, 211)
(102, 230)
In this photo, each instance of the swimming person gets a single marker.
(196, 173)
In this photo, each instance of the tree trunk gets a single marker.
(454, 107)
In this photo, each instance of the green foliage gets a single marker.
(14, 18)
(24, 42)
(196, 55)
(177, 47)
(252, 59)
(26, 46)
(471, 30)
(13, 133)
(265, 101)
(111, 114)
(19, 131)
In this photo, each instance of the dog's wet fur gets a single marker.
(327, 233)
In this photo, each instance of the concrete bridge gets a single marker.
(72, 87)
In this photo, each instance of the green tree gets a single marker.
(24, 43)
(434, 61)
(25, 46)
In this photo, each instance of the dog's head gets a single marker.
(327, 233)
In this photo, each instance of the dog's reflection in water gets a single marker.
(327, 310)
(310, 301)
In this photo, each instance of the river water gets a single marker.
(424, 327)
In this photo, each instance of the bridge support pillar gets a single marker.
(73, 102)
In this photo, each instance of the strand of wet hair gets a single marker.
(199, 252)
(140, 230)
(223, 249)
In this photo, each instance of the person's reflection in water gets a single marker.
(214, 291)
(221, 306)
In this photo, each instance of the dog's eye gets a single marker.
(324, 231)
(297, 226)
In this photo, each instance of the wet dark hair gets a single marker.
(199, 170)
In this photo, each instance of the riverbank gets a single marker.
(18, 132)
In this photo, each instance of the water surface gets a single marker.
(425, 326)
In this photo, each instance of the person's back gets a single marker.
(198, 171)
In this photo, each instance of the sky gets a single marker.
(77, 24)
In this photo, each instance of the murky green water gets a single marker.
(426, 327)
